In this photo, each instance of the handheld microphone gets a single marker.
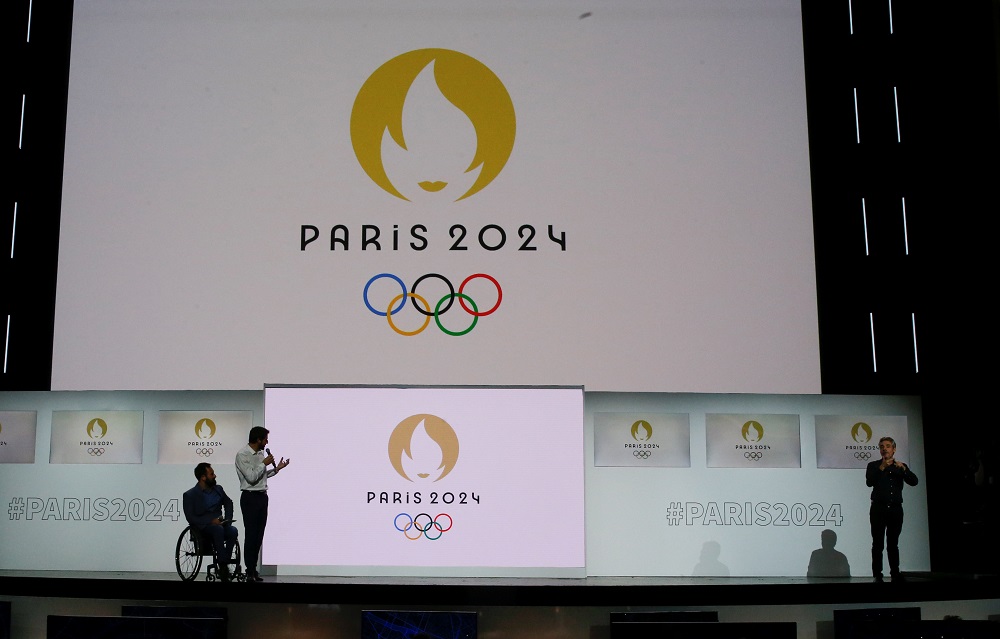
(268, 451)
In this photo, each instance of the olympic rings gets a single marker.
(443, 305)
(753, 455)
(641, 454)
(204, 452)
(422, 529)
(862, 455)
(95, 451)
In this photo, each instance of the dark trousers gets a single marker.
(887, 522)
(223, 539)
(254, 507)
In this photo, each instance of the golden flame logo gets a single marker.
(97, 428)
(466, 83)
(641, 431)
(424, 446)
(861, 433)
(204, 429)
(758, 430)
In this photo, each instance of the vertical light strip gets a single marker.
(906, 234)
(20, 133)
(916, 360)
(13, 231)
(864, 221)
(850, 14)
(871, 322)
(30, 4)
(6, 343)
(895, 99)
(890, 17)
(857, 127)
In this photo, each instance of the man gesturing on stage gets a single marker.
(251, 466)
(886, 477)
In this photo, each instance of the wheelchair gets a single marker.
(192, 547)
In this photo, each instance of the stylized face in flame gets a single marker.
(472, 95)
(641, 430)
(423, 447)
(753, 431)
(97, 428)
(861, 432)
(440, 145)
(204, 429)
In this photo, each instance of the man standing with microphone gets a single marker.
(886, 477)
(251, 466)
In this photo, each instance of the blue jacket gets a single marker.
(200, 512)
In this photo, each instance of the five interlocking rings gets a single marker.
(431, 526)
(204, 452)
(438, 310)
(862, 455)
(753, 455)
(641, 454)
(95, 451)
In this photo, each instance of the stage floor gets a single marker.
(502, 591)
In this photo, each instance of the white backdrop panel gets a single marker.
(639, 521)
(763, 521)
(103, 516)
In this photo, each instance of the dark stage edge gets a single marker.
(450, 591)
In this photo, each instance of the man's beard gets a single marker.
(210, 483)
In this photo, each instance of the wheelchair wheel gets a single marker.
(187, 557)
(238, 574)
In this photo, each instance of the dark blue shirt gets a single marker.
(887, 485)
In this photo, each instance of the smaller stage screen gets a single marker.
(439, 480)
(930, 629)
(87, 627)
(417, 624)
(702, 630)
(664, 616)
(847, 621)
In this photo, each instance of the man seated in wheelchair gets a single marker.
(203, 507)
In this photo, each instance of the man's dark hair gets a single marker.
(201, 470)
(257, 432)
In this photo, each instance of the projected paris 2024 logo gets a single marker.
(423, 448)
(433, 121)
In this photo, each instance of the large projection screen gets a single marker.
(427, 481)
(637, 210)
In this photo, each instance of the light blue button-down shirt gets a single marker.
(251, 469)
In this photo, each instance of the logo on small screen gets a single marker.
(861, 433)
(472, 94)
(204, 428)
(753, 431)
(97, 428)
(423, 447)
(641, 431)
